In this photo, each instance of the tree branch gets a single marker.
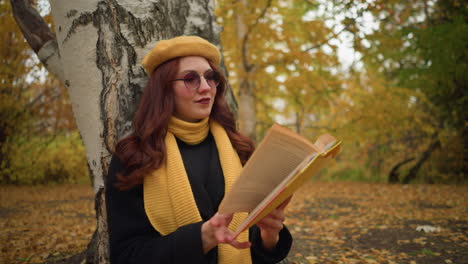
(394, 176)
(248, 66)
(34, 28)
(287, 60)
(38, 35)
(310, 3)
(435, 144)
(326, 40)
(426, 12)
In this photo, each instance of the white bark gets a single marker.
(82, 78)
(101, 44)
(50, 57)
(96, 52)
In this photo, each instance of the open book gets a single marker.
(281, 164)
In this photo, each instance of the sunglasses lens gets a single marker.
(192, 80)
(212, 78)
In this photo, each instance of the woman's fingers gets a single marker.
(285, 203)
(277, 214)
(270, 223)
(219, 220)
(240, 245)
(215, 231)
(225, 236)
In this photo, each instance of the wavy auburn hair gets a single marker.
(144, 150)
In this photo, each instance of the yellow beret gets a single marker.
(181, 46)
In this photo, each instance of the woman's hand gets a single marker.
(271, 225)
(215, 231)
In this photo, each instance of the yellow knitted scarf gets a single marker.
(168, 197)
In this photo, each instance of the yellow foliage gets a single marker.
(37, 144)
(63, 160)
(272, 45)
(290, 60)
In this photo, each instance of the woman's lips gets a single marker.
(203, 101)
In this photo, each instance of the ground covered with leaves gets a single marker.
(44, 223)
(330, 223)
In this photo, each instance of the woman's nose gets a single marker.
(204, 86)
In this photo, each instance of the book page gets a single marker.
(280, 152)
(309, 167)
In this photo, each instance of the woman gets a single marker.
(167, 179)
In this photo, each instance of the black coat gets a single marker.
(134, 240)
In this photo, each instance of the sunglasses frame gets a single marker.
(215, 73)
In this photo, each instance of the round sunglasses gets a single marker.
(192, 79)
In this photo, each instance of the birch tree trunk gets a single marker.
(96, 53)
(247, 111)
(247, 98)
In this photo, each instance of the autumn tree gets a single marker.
(420, 46)
(283, 62)
(280, 53)
(392, 105)
(14, 115)
(382, 124)
(32, 106)
(96, 52)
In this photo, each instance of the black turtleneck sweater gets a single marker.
(134, 240)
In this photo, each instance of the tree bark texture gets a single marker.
(101, 45)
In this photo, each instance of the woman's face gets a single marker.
(193, 102)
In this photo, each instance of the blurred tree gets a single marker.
(280, 55)
(383, 123)
(34, 108)
(53, 109)
(429, 54)
(421, 46)
(16, 101)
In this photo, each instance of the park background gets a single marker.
(389, 78)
